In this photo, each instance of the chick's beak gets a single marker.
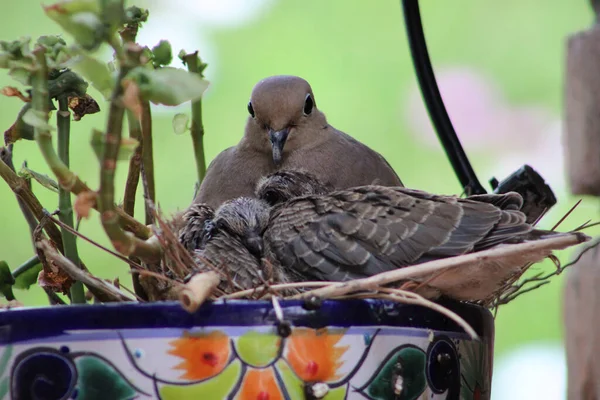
(254, 244)
(278, 139)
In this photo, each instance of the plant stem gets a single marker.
(197, 128)
(133, 175)
(26, 266)
(66, 178)
(63, 124)
(124, 243)
(148, 161)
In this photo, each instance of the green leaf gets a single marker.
(81, 19)
(168, 86)
(67, 83)
(128, 146)
(162, 53)
(19, 130)
(21, 75)
(180, 123)
(6, 281)
(37, 119)
(136, 15)
(42, 179)
(113, 14)
(28, 278)
(95, 71)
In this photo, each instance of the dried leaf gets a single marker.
(37, 119)
(131, 97)
(84, 202)
(181, 123)
(83, 106)
(167, 85)
(10, 91)
(42, 179)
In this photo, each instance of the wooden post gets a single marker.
(581, 139)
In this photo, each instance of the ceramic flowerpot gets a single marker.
(352, 349)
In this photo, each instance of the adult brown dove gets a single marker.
(285, 129)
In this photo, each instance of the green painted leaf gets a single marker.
(412, 361)
(217, 387)
(181, 123)
(162, 53)
(37, 120)
(98, 380)
(96, 72)
(5, 359)
(257, 348)
(168, 86)
(4, 387)
(128, 146)
(42, 179)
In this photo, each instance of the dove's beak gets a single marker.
(278, 139)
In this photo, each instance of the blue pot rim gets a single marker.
(29, 323)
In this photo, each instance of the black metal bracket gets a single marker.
(537, 195)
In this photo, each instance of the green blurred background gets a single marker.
(500, 66)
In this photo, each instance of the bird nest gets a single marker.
(489, 278)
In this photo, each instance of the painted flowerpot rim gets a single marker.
(29, 323)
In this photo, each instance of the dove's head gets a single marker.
(283, 115)
(245, 219)
(285, 184)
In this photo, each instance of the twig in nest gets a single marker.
(181, 260)
(522, 253)
(274, 288)
(198, 289)
(560, 221)
(101, 289)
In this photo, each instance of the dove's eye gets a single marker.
(308, 104)
(250, 109)
(272, 197)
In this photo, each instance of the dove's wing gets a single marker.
(366, 230)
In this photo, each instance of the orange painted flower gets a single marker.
(259, 384)
(204, 355)
(314, 354)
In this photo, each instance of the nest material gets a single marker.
(488, 278)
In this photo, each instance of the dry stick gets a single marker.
(198, 289)
(67, 179)
(133, 174)
(133, 178)
(147, 160)
(123, 242)
(6, 155)
(110, 292)
(560, 221)
(276, 288)
(373, 282)
(20, 188)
